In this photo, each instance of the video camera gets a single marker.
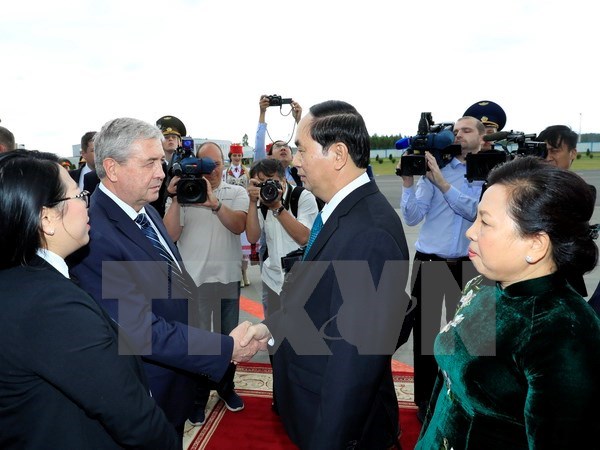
(276, 100)
(191, 187)
(480, 164)
(436, 139)
(269, 190)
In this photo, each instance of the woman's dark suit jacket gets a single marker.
(62, 383)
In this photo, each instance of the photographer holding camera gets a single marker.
(561, 143)
(279, 150)
(285, 229)
(208, 239)
(448, 204)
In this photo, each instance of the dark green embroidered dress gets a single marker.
(541, 389)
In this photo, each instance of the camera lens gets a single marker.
(269, 192)
(191, 191)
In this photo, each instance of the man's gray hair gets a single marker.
(116, 138)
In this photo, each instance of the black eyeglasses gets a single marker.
(84, 195)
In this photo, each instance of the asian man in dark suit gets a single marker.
(344, 305)
(133, 269)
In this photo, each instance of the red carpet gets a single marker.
(258, 428)
(252, 307)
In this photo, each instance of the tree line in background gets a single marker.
(590, 137)
(386, 142)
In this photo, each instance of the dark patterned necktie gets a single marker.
(173, 269)
(314, 231)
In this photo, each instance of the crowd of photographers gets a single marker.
(445, 199)
(205, 210)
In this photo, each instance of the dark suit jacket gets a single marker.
(62, 383)
(90, 179)
(344, 399)
(124, 273)
(75, 174)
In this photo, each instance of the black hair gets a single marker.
(29, 180)
(279, 143)
(545, 198)
(268, 167)
(85, 140)
(556, 135)
(337, 121)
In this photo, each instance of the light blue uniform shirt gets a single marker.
(447, 216)
(260, 150)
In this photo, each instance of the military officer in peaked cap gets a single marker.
(172, 129)
(171, 125)
(491, 115)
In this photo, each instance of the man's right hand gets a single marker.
(253, 190)
(434, 174)
(243, 348)
(263, 103)
(172, 188)
(257, 333)
(296, 111)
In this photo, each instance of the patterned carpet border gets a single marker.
(254, 380)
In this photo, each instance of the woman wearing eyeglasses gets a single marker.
(63, 384)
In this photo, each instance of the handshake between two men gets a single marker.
(248, 340)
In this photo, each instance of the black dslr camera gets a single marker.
(191, 187)
(436, 139)
(276, 100)
(480, 164)
(269, 190)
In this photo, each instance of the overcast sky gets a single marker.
(68, 66)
